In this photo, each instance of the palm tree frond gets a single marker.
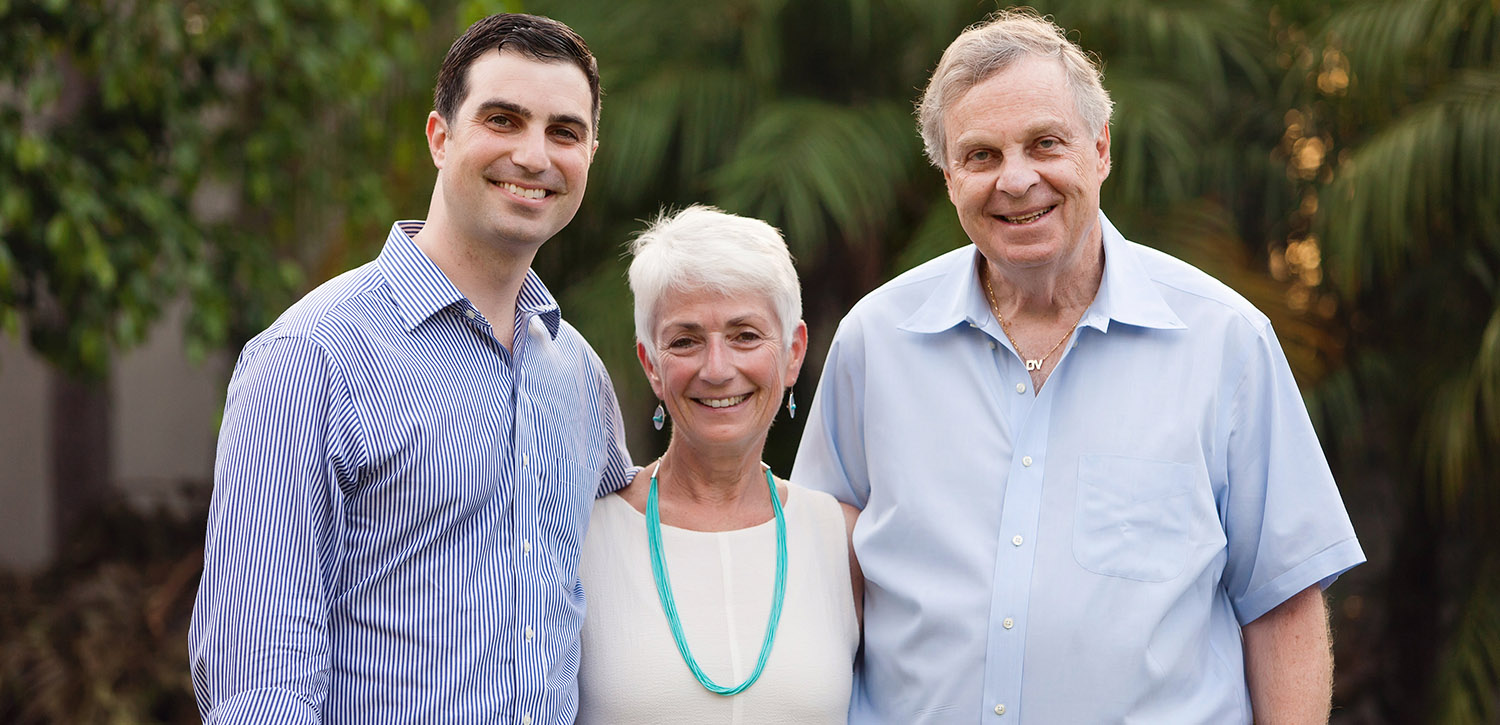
(1449, 440)
(802, 160)
(1486, 377)
(1410, 183)
(1192, 37)
(1465, 685)
(938, 233)
(1159, 129)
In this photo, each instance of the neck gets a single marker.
(710, 481)
(489, 275)
(1043, 295)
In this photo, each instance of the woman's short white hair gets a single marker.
(993, 46)
(703, 248)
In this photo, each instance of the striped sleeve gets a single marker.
(617, 458)
(260, 637)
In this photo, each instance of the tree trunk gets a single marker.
(80, 454)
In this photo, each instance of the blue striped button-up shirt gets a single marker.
(398, 506)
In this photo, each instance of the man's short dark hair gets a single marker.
(541, 38)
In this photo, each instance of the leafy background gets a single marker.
(1337, 162)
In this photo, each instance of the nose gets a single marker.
(717, 367)
(1017, 176)
(530, 152)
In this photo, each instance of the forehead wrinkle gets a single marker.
(981, 135)
(745, 320)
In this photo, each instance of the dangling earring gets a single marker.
(660, 418)
(791, 402)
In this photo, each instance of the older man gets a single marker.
(1090, 489)
(410, 453)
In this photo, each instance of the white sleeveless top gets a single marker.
(722, 582)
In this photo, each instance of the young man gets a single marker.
(1090, 489)
(409, 454)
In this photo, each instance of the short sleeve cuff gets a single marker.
(1320, 569)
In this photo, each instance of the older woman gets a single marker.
(717, 592)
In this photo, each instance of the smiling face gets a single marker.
(514, 161)
(721, 366)
(1023, 171)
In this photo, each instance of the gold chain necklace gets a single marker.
(1032, 364)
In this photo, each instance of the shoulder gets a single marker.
(924, 297)
(825, 506)
(608, 520)
(902, 295)
(572, 343)
(328, 315)
(1194, 293)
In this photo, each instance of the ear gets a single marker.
(799, 353)
(1101, 145)
(437, 138)
(650, 368)
(593, 150)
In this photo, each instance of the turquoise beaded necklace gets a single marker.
(669, 605)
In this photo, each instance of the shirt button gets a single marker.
(1016, 540)
(1026, 460)
(992, 344)
(1020, 387)
(1008, 623)
(470, 314)
(526, 719)
(999, 709)
(531, 633)
(525, 460)
(526, 545)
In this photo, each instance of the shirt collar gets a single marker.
(1126, 292)
(420, 289)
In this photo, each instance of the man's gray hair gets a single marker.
(703, 248)
(994, 45)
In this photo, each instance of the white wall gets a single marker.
(164, 422)
(166, 411)
(25, 503)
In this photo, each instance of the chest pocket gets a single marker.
(564, 500)
(1133, 517)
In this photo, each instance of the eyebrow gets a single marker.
(496, 104)
(1048, 126)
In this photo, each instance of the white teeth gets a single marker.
(1029, 218)
(522, 191)
(724, 402)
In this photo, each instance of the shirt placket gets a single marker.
(1028, 417)
(527, 633)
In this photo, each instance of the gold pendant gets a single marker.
(1033, 365)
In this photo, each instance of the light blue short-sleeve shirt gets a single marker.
(1086, 554)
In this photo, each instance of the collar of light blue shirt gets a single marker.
(1127, 294)
(420, 290)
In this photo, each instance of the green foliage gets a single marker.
(1466, 681)
(1399, 123)
(151, 149)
